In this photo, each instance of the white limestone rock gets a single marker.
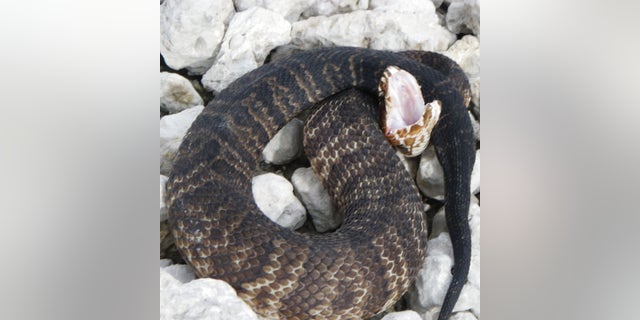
(181, 272)
(402, 315)
(387, 28)
(286, 145)
(407, 6)
(191, 32)
(163, 206)
(316, 199)
(274, 196)
(172, 130)
(434, 277)
(251, 35)
(294, 10)
(165, 263)
(463, 316)
(464, 16)
(177, 93)
(182, 297)
(430, 178)
(466, 52)
(439, 224)
(331, 7)
(433, 313)
(291, 10)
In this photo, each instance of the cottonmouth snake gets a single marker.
(364, 266)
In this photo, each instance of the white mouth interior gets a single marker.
(407, 105)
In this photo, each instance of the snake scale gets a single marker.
(364, 266)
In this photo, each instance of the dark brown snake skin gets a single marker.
(366, 265)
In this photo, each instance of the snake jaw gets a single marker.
(407, 121)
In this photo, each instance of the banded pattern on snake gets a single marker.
(364, 266)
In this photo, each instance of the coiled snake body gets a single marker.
(364, 266)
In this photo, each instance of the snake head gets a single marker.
(407, 121)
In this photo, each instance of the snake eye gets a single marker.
(407, 121)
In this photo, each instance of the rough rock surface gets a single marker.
(191, 32)
(177, 93)
(274, 196)
(316, 199)
(407, 6)
(172, 130)
(286, 145)
(184, 297)
(251, 35)
(294, 10)
(330, 7)
(463, 16)
(402, 315)
(388, 29)
(291, 10)
(466, 52)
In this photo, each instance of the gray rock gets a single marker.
(463, 316)
(165, 263)
(294, 10)
(291, 10)
(466, 52)
(377, 29)
(274, 196)
(286, 145)
(434, 277)
(163, 206)
(180, 272)
(464, 16)
(402, 315)
(331, 7)
(191, 32)
(430, 177)
(316, 199)
(172, 130)
(407, 6)
(251, 35)
(177, 93)
(182, 297)
(439, 224)
(433, 313)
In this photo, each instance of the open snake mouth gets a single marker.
(407, 121)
